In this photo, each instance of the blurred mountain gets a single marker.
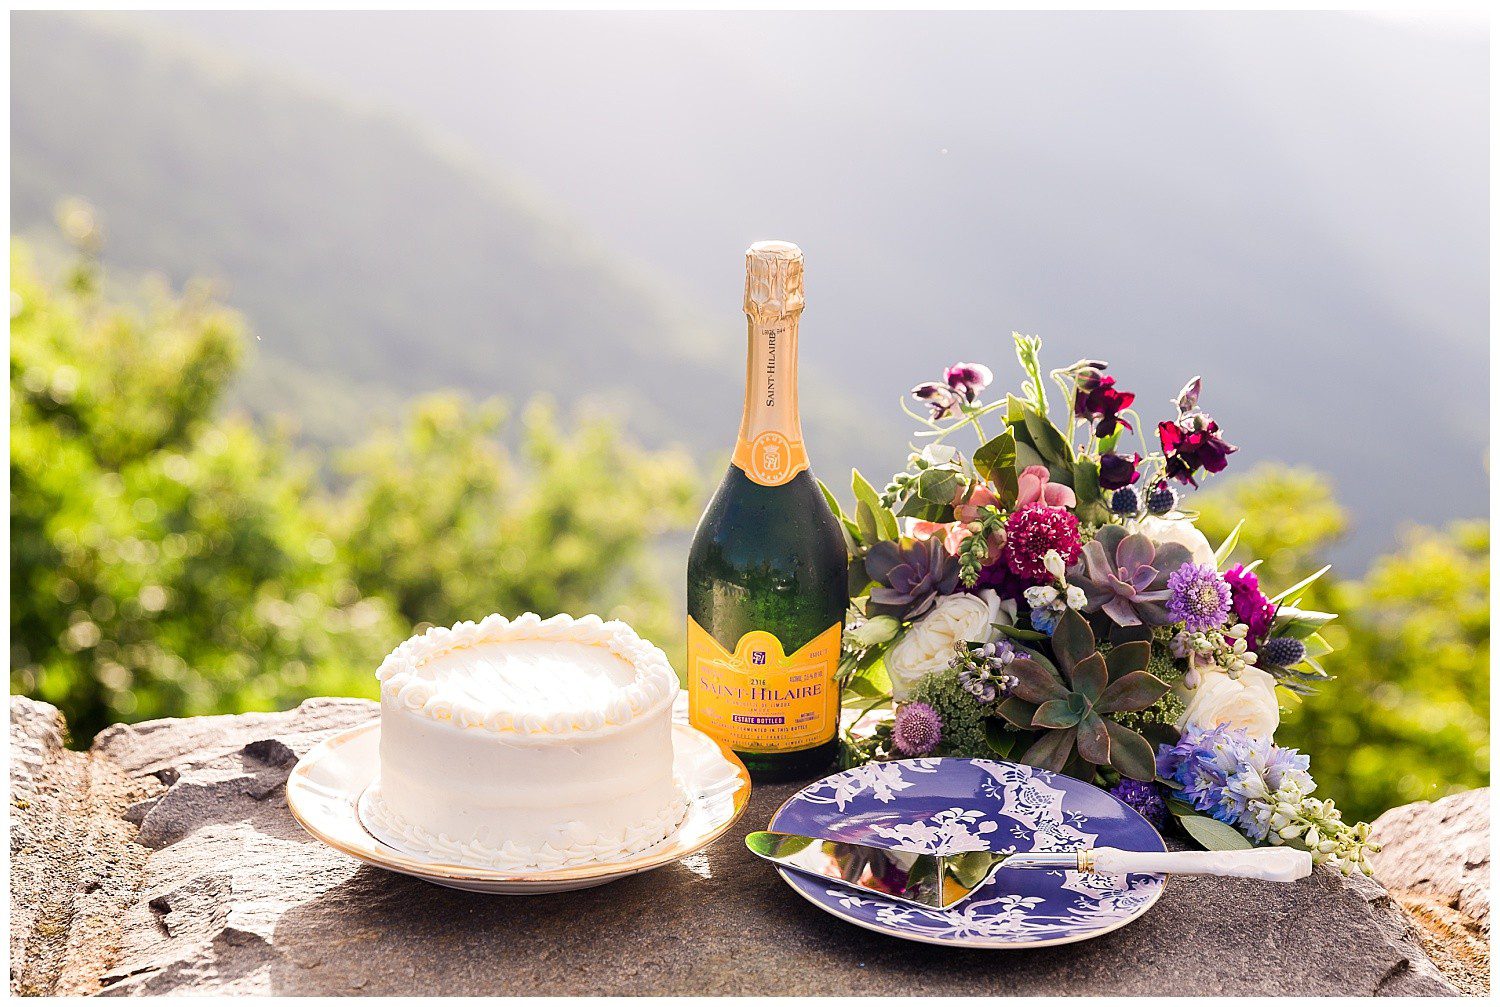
(1293, 205)
(373, 258)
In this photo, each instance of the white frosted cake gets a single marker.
(526, 744)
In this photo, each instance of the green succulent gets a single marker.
(1074, 704)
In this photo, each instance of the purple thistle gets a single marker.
(1143, 797)
(917, 730)
(1200, 598)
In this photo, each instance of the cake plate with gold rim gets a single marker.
(324, 790)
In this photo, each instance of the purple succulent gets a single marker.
(909, 578)
(1125, 576)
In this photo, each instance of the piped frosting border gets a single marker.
(402, 684)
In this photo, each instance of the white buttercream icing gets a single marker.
(529, 675)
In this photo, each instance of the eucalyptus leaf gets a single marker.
(1015, 633)
(1210, 833)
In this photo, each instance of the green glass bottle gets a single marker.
(768, 573)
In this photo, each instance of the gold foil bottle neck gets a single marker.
(773, 279)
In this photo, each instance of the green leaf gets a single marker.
(1035, 683)
(995, 461)
(1072, 641)
(1210, 833)
(1090, 676)
(1049, 441)
(833, 502)
(938, 486)
(1017, 711)
(1301, 584)
(1130, 754)
(1056, 714)
(1227, 546)
(1298, 623)
(1051, 750)
(1093, 739)
(864, 519)
(1001, 741)
(885, 520)
(1086, 488)
(1019, 634)
(1134, 691)
(1123, 658)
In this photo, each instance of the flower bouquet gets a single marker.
(1046, 598)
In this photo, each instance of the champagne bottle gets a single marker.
(768, 572)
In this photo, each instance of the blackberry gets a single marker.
(1162, 500)
(1125, 501)
(1283, 651)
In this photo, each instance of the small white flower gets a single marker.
(1076, 598)
(1053, 561)
(1041, 597)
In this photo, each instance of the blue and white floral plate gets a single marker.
(953, 805)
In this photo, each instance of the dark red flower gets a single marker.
(1193, 443)
(1116, 471)
(1098, 401)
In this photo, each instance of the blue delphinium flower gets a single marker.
(1200, 597)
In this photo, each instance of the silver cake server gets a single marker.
(942, 882)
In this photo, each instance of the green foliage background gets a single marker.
(1406, 717)
(171, 560)
(168, 560)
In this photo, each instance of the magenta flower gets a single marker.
(1098, 401)
(968, 380)
(1033, 531)
(1118, 471)
(941, 399)
(961, 383)
(1251, 606)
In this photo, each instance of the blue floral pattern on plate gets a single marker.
(953, 805)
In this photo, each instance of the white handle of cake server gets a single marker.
(1267, 863)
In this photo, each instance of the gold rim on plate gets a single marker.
(324, 788)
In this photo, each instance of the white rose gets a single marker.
(928, 645)
(1248, 702)
(1164, 530)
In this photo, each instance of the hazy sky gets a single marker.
(1293, 205)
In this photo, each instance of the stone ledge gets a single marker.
(223, 893)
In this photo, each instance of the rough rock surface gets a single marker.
(234, 897)
(75, 865)
(1435, 859)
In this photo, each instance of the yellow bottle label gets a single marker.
(771, 458)
(758, 699)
